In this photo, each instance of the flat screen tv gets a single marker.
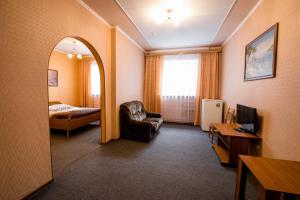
(247, 118)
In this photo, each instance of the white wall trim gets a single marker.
(182, 50)
(93, 12)
(64, 52)
(107, 24)
(225, 17)
(60, 51)
(129, 38)
(131, 19)
(243, 22)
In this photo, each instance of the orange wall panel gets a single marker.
(128, 80)
(29, 32)
(277, 99)
(69, 85)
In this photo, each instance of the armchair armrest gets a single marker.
(153, 114)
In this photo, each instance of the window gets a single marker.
(179, 86)
(95, 79)
(180, 74)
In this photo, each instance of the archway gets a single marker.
(99, 62)
(82, 57)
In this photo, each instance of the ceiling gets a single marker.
(67, 46)
(204, 22)
(200, 21)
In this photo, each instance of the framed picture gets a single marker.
(260, 56)
(52, 77)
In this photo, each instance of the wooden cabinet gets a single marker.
(232, 143)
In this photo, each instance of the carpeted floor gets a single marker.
(178, 164)
(65, 151)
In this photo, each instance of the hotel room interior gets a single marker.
(150, 99)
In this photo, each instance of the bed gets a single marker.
(67, 117)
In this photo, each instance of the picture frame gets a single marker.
(52, 78)
(261, 56)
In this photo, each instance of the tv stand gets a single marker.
(240, 130)
(232, 143)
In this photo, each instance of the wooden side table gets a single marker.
(278, 179)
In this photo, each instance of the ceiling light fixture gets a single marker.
(70, 56)
(78, 55)
(168, 16)
(170, 12)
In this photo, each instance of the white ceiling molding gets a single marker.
(93, 12)
(243, 22)
(107, 24)
(145, 38)
(231, 7)
(184, 50)
(129, 38)
(60, 51)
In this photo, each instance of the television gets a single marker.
(247, 118)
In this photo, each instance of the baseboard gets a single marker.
(38, 190)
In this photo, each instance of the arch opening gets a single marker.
(77, 50)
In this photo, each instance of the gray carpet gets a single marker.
(66, 150)
(178, 164)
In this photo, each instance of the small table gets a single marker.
(278, 179)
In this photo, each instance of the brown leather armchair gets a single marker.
(138, 124)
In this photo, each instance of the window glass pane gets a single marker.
(95, 79)
(180, 74)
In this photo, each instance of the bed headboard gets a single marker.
(54, 102)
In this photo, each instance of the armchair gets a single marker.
(138, 124)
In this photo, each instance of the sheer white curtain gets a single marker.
(95, 79)
(179, 85)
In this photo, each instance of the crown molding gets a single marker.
(64, 52)
(184, 50)
(93, 12)
(132, 21)
(108, 25)
(224, 19)
(60, 51)
(243, 22)
(129, 38)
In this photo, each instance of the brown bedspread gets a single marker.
(72, 114)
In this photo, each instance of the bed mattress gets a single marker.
(64, 111)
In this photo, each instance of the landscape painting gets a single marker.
(260, 56)
(52, 77)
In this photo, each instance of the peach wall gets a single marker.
(68, 87)
(129, 74)
(276, 99)
(29, 32)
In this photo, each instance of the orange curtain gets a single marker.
(88, 100)
(152, 85)
(208, 81)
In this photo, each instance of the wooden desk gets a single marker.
(278, 179)
(231, 143)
